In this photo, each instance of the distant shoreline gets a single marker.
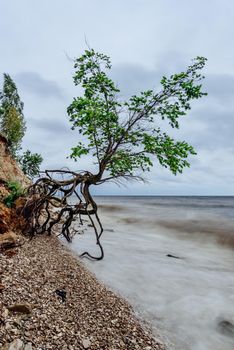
(169, 196)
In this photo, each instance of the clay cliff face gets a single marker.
(10, 221)
(9, 170)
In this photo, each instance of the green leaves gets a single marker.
(179, 90)
(125, 163)
(124, 136)
(95, 114)
(170, 153)
(79, 151)
(30, 163)
(91, 76)
(12, 123)
(15, 192)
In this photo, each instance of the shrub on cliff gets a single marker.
(15, 192)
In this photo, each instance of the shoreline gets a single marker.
(92, 317)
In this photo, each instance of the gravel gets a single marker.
(60, 305)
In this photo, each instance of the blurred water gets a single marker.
(188, 301)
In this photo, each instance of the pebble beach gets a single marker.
(49, 300)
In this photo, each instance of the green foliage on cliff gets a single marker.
(15, 192)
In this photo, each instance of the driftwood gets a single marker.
(57, 202)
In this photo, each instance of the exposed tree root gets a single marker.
(58, 201)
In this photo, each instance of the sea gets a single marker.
(172, 259)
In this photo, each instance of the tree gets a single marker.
(124, 137)
(13, 127)
(30, 163)
(12, 123)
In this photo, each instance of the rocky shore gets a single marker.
(49, 300)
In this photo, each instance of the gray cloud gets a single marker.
(34, 83)
(51, 126)
(131, 79)
(210, 124)
(155, 38)
(220, 87)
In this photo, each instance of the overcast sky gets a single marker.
(145, 40)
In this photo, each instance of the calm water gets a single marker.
(189, 301)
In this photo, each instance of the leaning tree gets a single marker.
(123, 137)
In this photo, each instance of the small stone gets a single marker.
(10, 253)
(17, 322)
(27, 334)
(14, 331)
(8, 326)
(21, 308)
(5, 313)
(226, 327)
(17, 344)
(28, 346)
(86, 343)
(8, 240)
